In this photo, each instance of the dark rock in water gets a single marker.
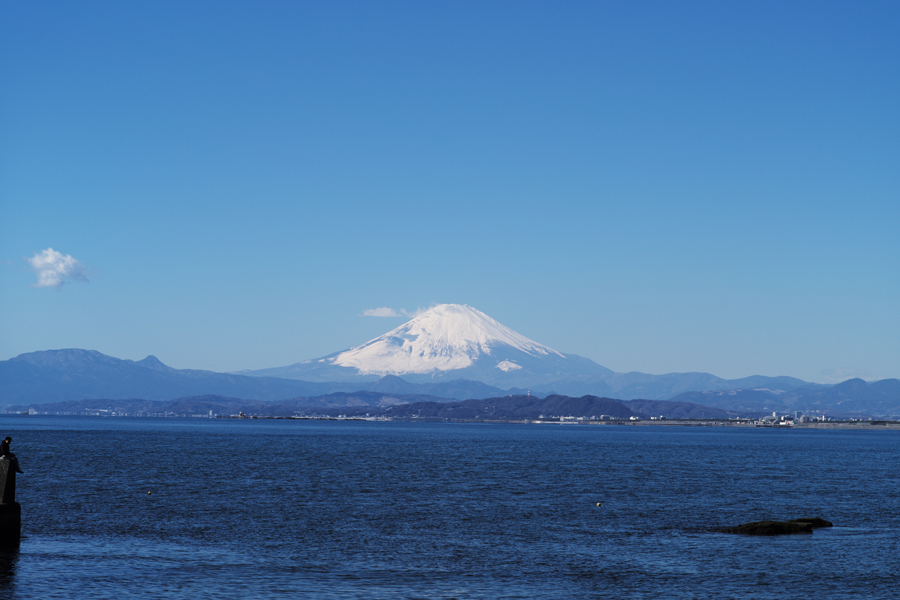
(778, 527)
(770, 528)
(816, 522)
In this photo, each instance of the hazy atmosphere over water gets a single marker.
(655, 186)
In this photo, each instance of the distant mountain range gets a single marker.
(60, 375)
(852, 398)
(73, 374)
(452, 352)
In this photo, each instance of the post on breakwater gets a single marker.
(10, 511)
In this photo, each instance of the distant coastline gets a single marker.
(873, 425)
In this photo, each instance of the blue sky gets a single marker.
(656, 186)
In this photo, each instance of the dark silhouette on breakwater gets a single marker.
(5, 453)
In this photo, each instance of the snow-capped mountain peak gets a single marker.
(444, 338)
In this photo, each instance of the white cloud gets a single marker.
(412, 314)
(382, 311)
(54, 268)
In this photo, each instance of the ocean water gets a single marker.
(304, 509)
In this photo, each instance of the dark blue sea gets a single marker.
(310, 509)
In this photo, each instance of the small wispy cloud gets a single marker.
(415, 313)
(54, 268)
(384, 311)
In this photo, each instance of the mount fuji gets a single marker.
(449, 342)
(449, 351)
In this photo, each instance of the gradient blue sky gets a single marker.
(694, 186)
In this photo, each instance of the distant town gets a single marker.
(774, 420)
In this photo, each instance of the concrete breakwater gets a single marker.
(10, 510)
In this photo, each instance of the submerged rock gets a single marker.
(778, 527)
(816, 522)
